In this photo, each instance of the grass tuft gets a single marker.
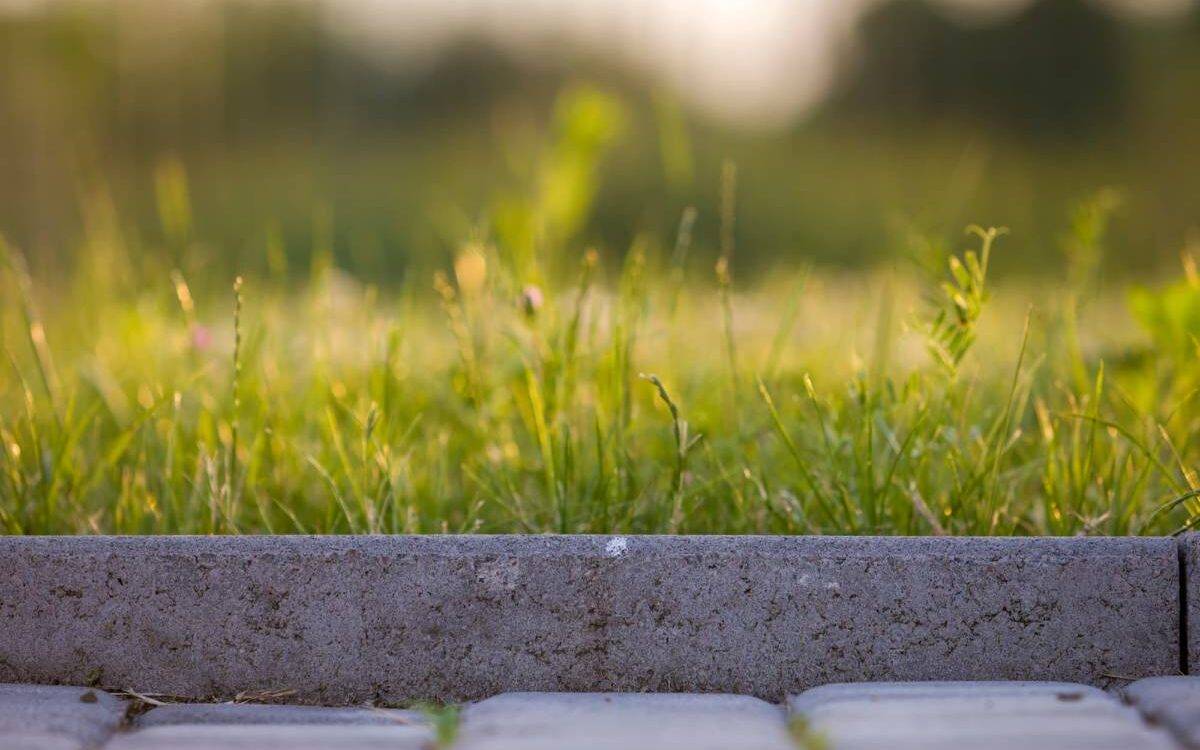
(502, 397)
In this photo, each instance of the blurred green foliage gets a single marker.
(291, 134)
(1171, 315)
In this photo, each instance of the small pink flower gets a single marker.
(531, 299)
(201, 338)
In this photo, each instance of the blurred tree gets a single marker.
(1054, 68)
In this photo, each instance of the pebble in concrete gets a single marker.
(970, 715)
(345, 620)
(1173, 702)
(246, 714)
(620, 721)
(45, 717)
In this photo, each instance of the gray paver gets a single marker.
(1173, 702)
(971, 715)
(272, 737)
(249, 714)
(51, 717)
(347, 620)
(622, 721)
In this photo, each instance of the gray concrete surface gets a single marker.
(971, 715)
(349, 620)
(1173, 702)
(43, 717)
(861, 716)
(1007, 690)
(623, 721)
(273, 737)
(247, 714)
(1189, 548)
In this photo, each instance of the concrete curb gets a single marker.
(1189, 594)
(342, 620)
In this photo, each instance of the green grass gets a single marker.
(643, 398)
(530, 386)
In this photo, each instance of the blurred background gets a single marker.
(223, 136)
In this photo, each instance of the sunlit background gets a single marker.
(395, 129)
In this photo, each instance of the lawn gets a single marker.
(654, 393)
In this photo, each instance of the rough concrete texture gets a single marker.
(958, 715)
(348, 620)
(622, 721)
(41, 717)
(246, 714)
(273, 737)
(1189, 551)
(1173, 702)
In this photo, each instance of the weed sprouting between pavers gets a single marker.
(445, 719)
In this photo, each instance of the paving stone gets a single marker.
(971, 715)
(51, 717)
(248, 714)
(1004, 693)
(622, 721)
(1173, 702)
(347, 620)
(273, 737)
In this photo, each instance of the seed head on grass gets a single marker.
(952, 331)
(470, 270)
(683, 445)
(231, 487)
(35, 329)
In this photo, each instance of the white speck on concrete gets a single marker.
(616, 546)
(499, 575)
